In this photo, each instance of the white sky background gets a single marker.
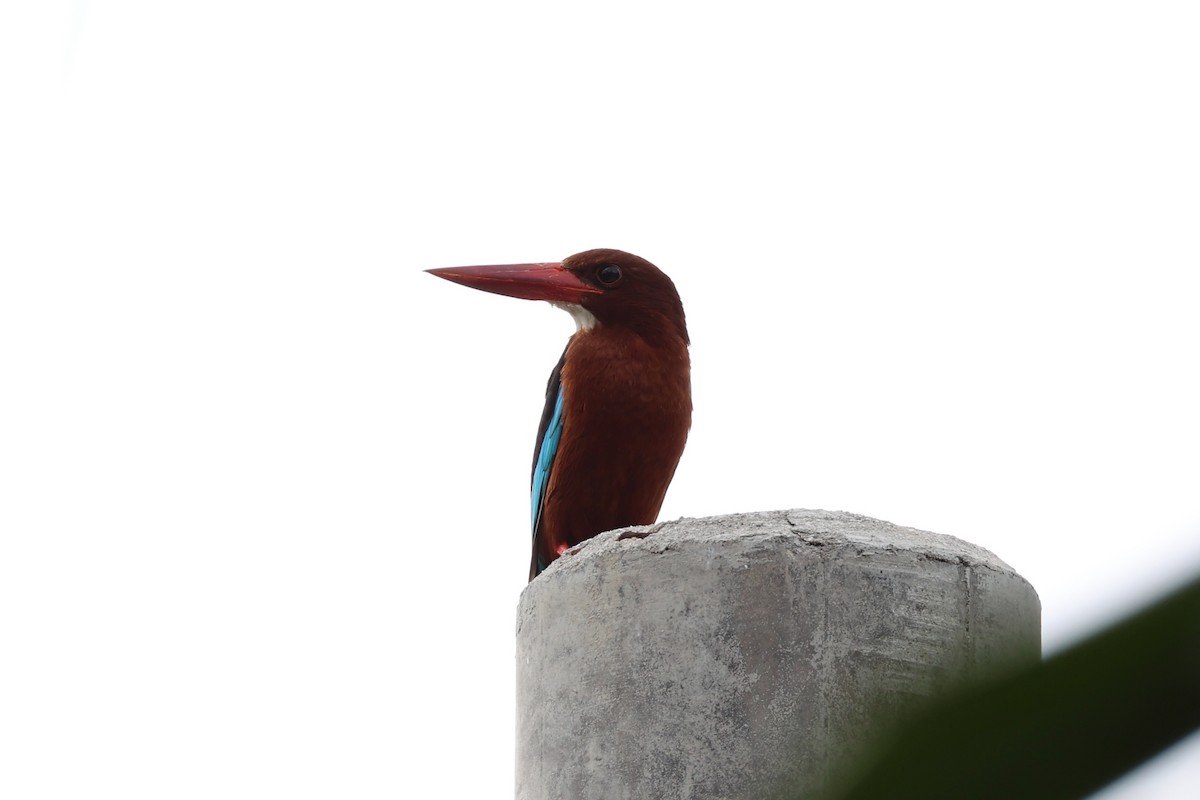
(263, 483)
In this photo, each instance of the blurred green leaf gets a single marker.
(1061, 729)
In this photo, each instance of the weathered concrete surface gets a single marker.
(715, 658)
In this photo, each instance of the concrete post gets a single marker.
(724, 657)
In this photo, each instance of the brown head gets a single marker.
(597, 287)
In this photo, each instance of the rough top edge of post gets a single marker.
(809, 527)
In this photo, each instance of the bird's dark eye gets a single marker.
(608, 274)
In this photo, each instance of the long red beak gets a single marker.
(549, 281)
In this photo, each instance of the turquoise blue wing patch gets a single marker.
(545, 459)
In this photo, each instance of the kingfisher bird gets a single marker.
(619, 401)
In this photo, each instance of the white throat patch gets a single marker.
(584, 319)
